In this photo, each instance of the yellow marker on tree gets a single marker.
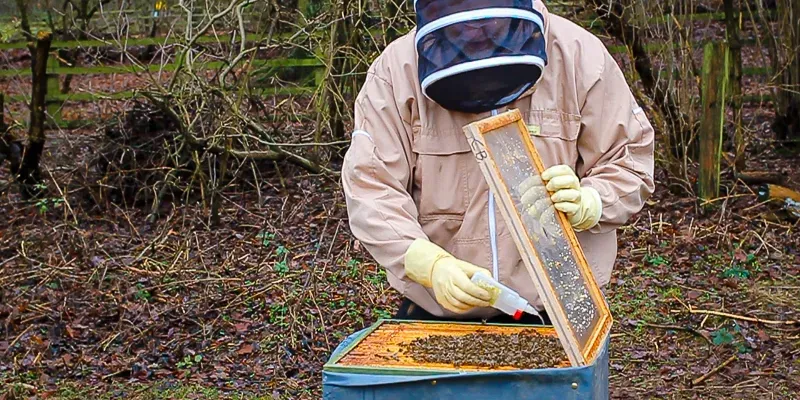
(160, 5)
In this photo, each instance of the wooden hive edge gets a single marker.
(579, 356)
(603, 328)
(497, 121)
(378, 364)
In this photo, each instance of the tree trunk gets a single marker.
(29, 175)
(10, 148)
(787, 114)
(3, 126)
(23, 17)
(735, 45)
(338, 76)
(714, 88)
(150, 50)
(612, 12)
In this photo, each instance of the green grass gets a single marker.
(128, 69)
(633, 304)
(124, 95)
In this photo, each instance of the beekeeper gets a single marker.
(415, 195)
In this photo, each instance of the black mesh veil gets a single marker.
(478, 55)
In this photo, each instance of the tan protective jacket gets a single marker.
(409, 172)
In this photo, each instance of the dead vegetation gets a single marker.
(188, 246)
(97, 297)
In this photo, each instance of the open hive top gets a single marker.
(433, 347)
(509, 161)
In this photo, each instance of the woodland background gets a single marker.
(172, 224)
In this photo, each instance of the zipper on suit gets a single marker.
(493, 230)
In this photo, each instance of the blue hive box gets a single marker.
(340, 382)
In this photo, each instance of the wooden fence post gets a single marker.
(715, 78)
(733, 19)
(53, 89)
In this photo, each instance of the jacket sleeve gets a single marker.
(377, 176)
(616, 146)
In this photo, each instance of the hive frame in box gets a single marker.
(334, 365)
(477, 134)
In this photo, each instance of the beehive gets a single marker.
(387, 347)
(372, 363)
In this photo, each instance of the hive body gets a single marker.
(374, 364)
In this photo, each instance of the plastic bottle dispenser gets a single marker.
(503, 298)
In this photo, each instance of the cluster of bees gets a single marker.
(527, 349)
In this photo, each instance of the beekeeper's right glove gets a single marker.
(538, 211)
(433, 267)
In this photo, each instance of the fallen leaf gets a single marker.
(95, 261)
(665, 370)
(70, 332)
(246, 349)
(242, 327)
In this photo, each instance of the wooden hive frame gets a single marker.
(371, 353)
(476, 134)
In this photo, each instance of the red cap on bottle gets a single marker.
(518, 315)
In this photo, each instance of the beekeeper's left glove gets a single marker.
(582, 204)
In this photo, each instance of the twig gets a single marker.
(713, 371)
(189, 282)
(63, 196)
(756, 206)
(8, 260)
(16, 339)
(678, 328)
(26, 386)
(732, 196)
(113, 374)
(742, 317)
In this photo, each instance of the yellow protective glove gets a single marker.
(538, 212)
(433, 267)
(581, 204)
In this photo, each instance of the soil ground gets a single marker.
(96, 301)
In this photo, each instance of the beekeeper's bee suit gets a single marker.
(416, 197)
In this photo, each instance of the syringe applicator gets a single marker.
(503, 298)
